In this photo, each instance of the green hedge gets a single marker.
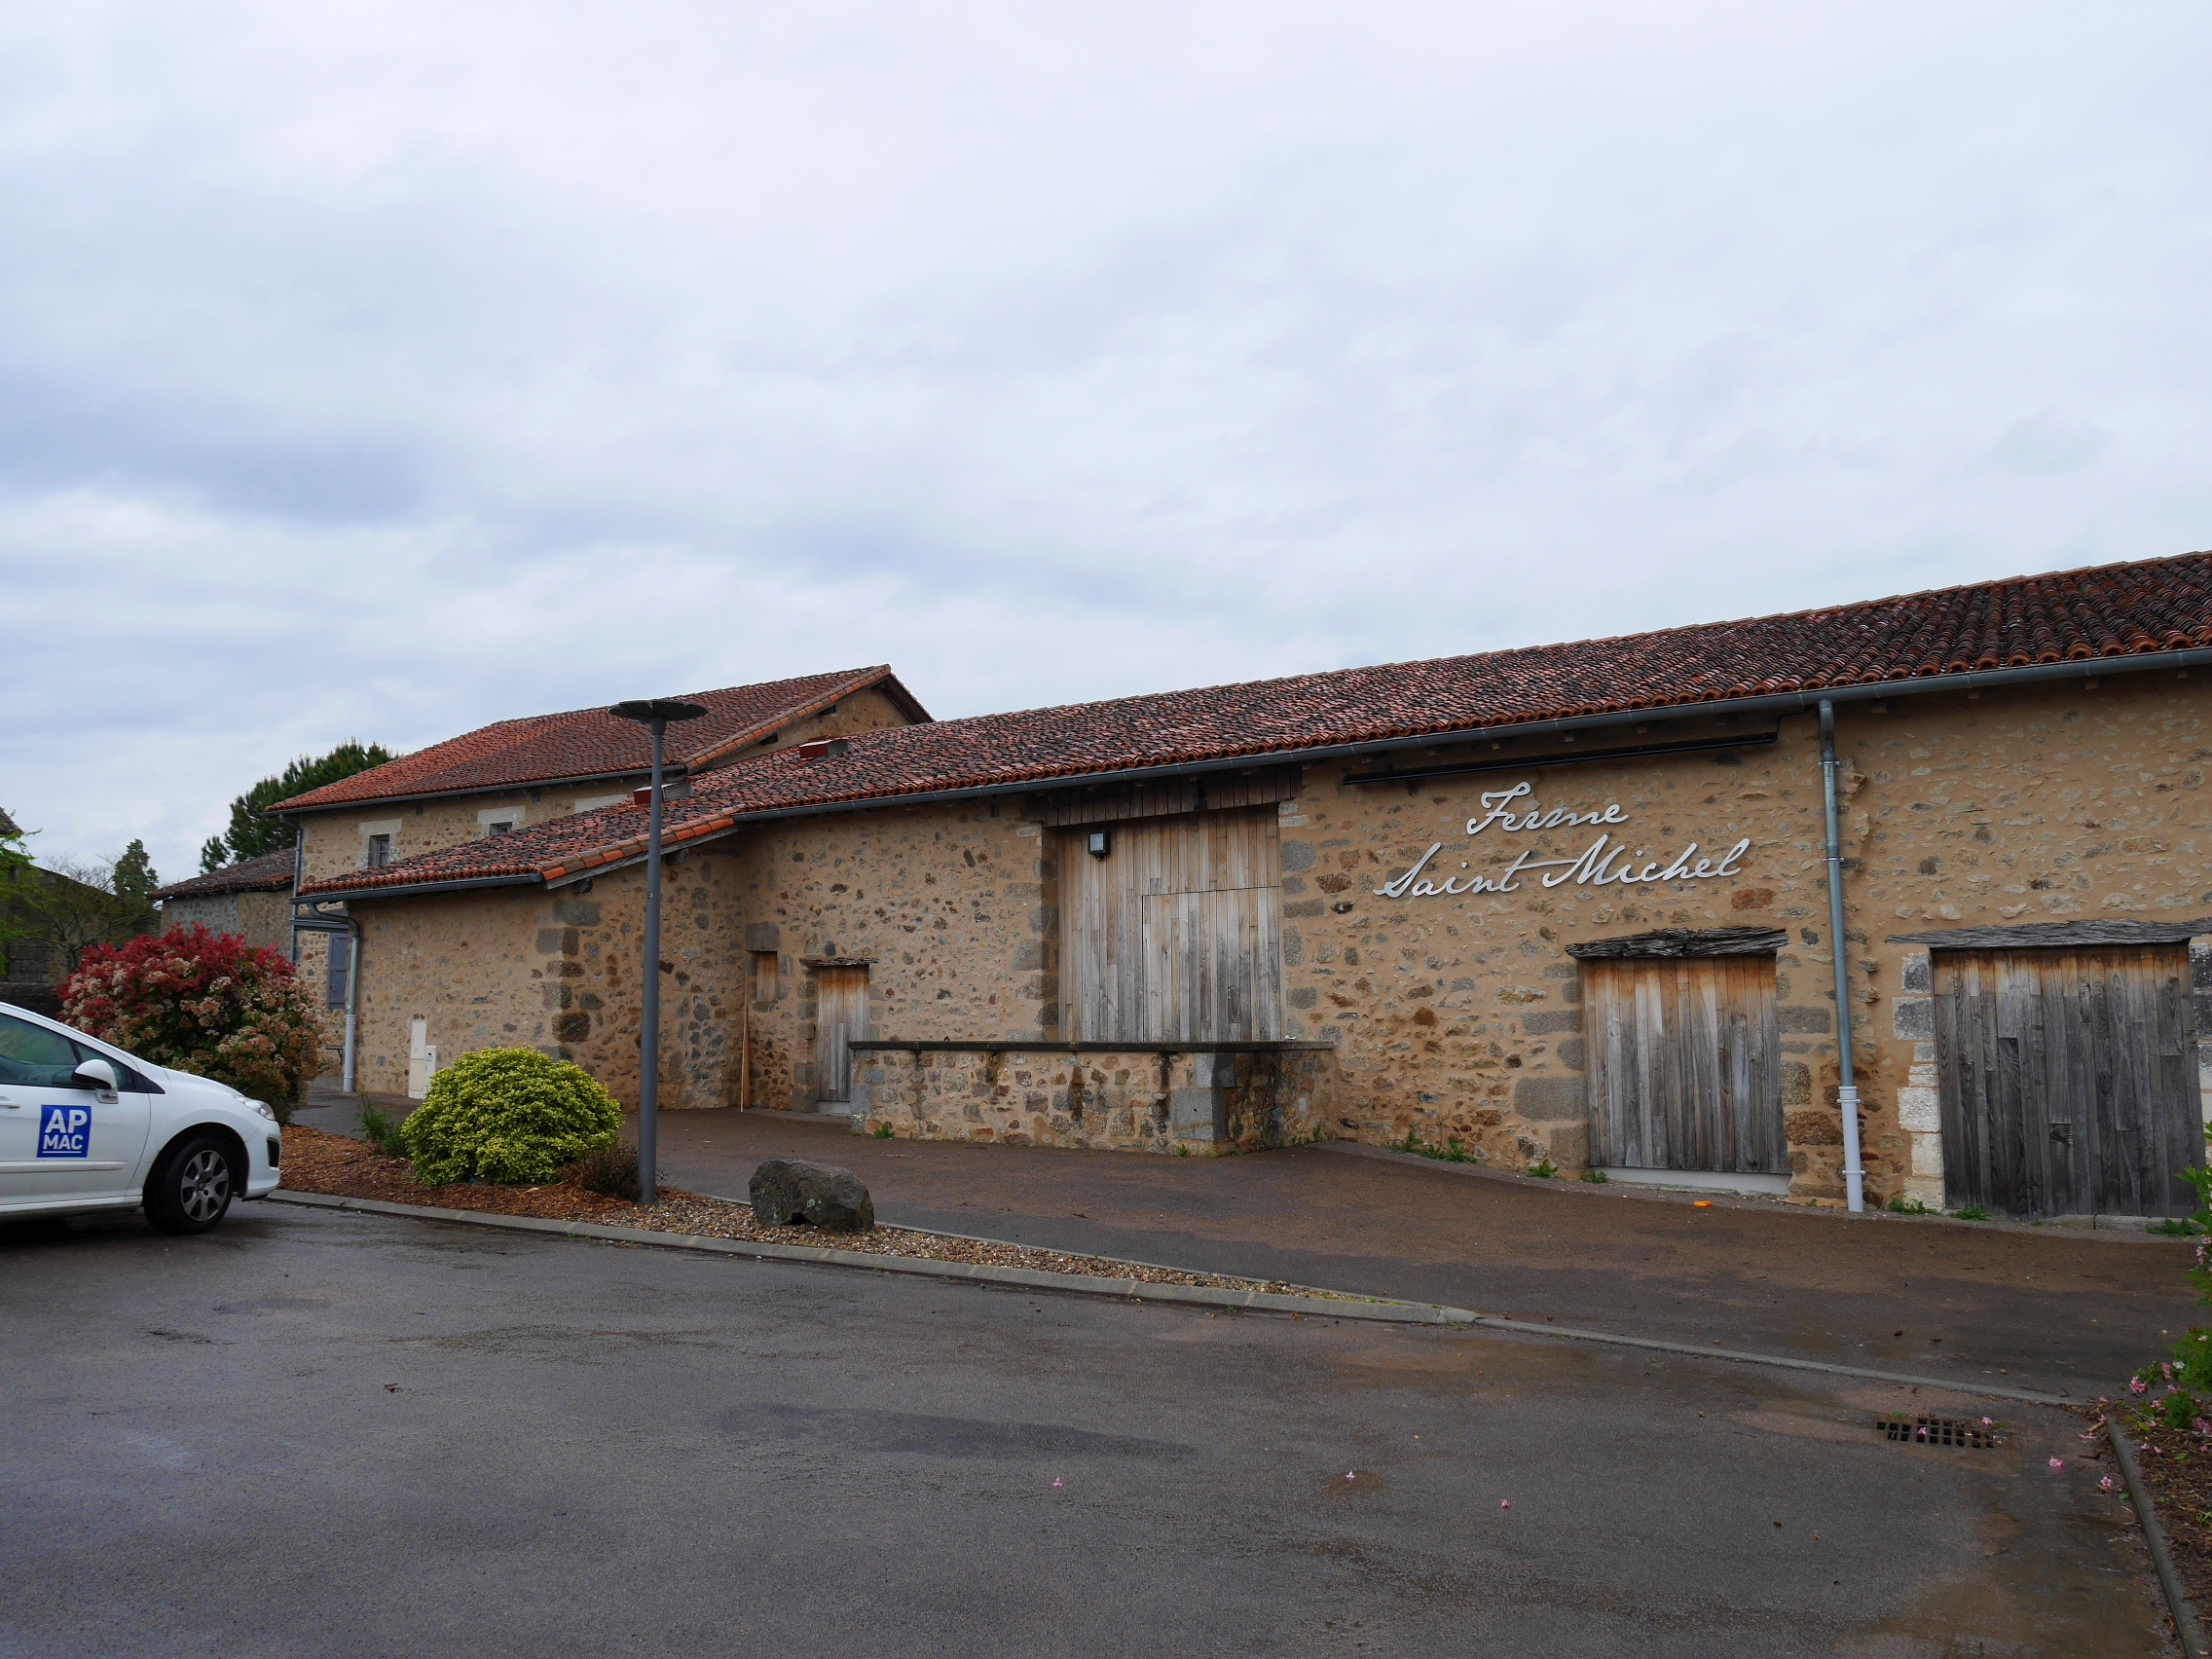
(507, 1115)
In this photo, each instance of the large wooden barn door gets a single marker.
(1175, 935)
(1684, 1064)
(2068, 1080)
(841, 1016)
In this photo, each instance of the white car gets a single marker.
(85, 1127)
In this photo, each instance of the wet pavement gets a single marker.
(318, 1433)
(2056, 1310)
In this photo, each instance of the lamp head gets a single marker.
(646, 711)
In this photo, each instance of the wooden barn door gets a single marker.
(841, 1016)
(2068, 1080)
(1684, 1064)
(1175, 934)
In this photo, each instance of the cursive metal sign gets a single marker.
(1592, 867)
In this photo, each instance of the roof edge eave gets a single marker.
(404, 889)
(292, 808)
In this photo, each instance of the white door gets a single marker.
(61, 1143)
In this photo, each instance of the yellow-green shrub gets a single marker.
(507, 1115)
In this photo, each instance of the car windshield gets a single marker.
(34, 1057)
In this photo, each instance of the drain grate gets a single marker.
(1940, 1432)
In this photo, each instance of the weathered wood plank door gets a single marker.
(1176, 935)
(1686, 1065)
(2068, 1080)
(841, 1016)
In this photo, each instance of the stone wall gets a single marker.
(262, 919)
(1133, 1100)
(1460, 1013)
(558, 971)
(951, 907)
(1455, 1008)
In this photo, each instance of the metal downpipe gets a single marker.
(353, 996)
(1847, 1090)
(649, 1044)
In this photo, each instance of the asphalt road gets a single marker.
(313, 1433)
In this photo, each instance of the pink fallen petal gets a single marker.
(1504, 1503)
(2105, 1484)
(2058, 1462)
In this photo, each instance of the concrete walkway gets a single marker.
(2059, 1311)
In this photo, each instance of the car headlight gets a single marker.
(263, 1109)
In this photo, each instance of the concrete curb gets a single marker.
(1780, 1362)
(1028, 1278)
(2192, 1634)
(2132, 1234)
(1323, 1306)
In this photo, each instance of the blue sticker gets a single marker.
(64, 1131)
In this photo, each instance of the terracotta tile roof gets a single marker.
(2116, 611)
(271, 873)
(591, 742)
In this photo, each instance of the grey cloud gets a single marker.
(381, 373)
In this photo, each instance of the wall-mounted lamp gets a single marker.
(1101, 842)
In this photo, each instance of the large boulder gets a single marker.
(789, 1191)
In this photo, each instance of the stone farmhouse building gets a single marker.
(1564, 907)
(251, 898)
(515, 776)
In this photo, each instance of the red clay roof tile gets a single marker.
(2112, 610)
(591, 742)
(270, 872)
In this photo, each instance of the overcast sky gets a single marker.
(379, 370)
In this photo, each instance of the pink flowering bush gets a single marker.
(202, 1002)
(2187, 1378)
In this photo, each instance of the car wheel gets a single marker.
(191, 1188)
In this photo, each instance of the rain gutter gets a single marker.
(415, 886)
(1847, 1089)
(519, 787)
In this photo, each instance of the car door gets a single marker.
(62, 1143)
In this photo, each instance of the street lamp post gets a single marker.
(655, 713)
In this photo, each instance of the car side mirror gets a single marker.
(96, 1074)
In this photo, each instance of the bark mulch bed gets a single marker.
(319, 1163)
(2177, 1466)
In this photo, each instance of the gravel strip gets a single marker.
(338, 1166)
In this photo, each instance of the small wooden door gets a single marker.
(841, 1016)
(1684, 1064)
(2068, 1080)
(1175, 935)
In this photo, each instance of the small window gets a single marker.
(763, 978)
(498, 826)
(380, 851)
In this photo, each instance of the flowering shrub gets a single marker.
(507, 1115)
(2187, 1378)
(204, 1002)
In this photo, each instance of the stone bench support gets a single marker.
(1197, 1099)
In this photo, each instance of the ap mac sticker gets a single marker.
(64, 1131)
